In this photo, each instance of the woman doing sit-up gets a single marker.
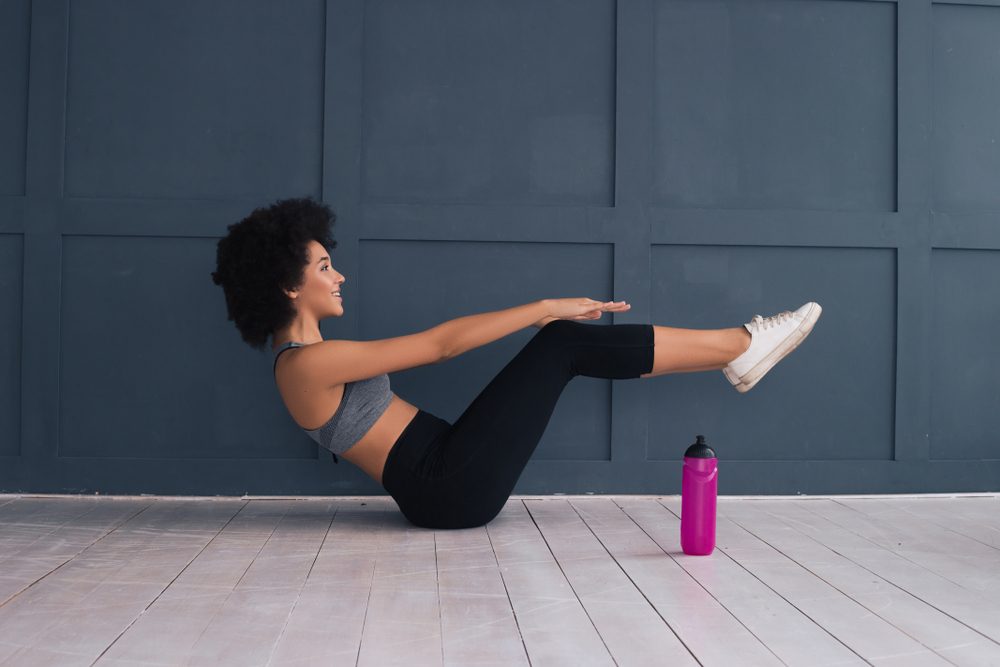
(275, 267)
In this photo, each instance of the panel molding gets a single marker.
(633, 226)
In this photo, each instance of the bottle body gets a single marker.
(699, 489)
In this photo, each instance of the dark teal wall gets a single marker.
(706, 161)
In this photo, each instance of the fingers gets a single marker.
(608, 306)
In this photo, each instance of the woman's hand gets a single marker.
(582, 308)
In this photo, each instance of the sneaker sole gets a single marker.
(746, 382)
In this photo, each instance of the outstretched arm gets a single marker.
(467, 333)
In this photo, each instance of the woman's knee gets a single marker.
(557, 330)
(561, 326)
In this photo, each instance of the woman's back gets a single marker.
(336, 417)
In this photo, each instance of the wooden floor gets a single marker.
(596, 580)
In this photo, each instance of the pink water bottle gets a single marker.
(699, 488)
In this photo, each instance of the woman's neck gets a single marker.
(299, 332)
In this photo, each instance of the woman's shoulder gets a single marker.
(289, 364)
(310, 405)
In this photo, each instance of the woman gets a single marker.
(279, 282)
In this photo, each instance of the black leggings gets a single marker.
(460, 476)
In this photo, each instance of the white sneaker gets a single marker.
(771, 339)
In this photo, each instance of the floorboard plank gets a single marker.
(554, 625)
(951, 555)
(630, 627)
(477, 620)
(8, 500)
(81, 608)
(403, 624)
(171, 625)
(326, 624)
(247, 626)
(34, 550)
(948, 637)
(969, 607)
(976, 518)
(846, 598)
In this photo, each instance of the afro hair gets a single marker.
(264, 254)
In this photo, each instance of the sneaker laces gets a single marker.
(759, 323)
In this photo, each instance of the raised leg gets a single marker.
(690, 350)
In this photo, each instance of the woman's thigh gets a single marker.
(491, 442)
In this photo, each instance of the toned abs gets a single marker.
(310, 409)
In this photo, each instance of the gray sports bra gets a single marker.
(363, 403)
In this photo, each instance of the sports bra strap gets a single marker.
(282, 349)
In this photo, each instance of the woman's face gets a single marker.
(319, 282)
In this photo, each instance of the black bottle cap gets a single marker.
(700, 450)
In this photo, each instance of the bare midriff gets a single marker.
(311, 409)
(369, 453)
